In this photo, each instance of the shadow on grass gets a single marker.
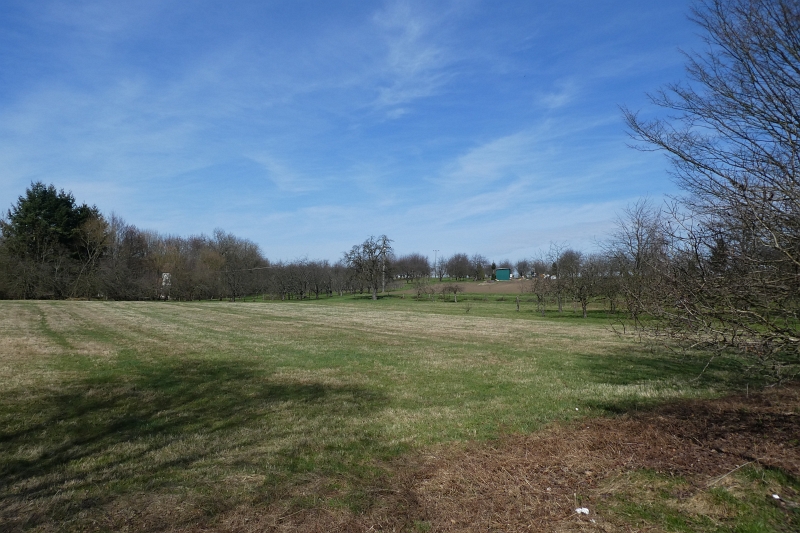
(131, 427)
(663, 368)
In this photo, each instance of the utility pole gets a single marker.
(383, 266)
(435, 264)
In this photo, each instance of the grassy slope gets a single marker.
(173, 413)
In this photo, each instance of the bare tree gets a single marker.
(610, 285)
(639, 248)
(412, 267)
(126, 269)
(386, 254)
(479, 266)
(523, 268)
(569, 270)
(319, 277)
(240, 257)
(541, 284)
(423, 288)
(340, 277)
(539, 267)
(369, 261)
(440, 268)
(559, 282)
(453, 288)
(458, 266)
(588, 284)
(92, 239)
(733, 137)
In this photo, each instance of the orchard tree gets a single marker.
(340, 277)
(480, 266)
(639, 248)
(453, 288)
(458, 266)
(589, 283)
(523, 268)
(732, 134)
(412, 266)
(562, 263)
(369, 261)
(568, 265)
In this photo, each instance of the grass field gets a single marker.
(181, 416)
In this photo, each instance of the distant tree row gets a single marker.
(51, 247)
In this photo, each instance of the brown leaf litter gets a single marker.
(535, 482)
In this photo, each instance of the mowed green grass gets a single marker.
(152, 412)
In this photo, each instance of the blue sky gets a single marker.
(467, 126)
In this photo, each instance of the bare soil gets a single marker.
(514, 286)
(535, 482)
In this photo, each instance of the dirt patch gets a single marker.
(514, 286)
(536, 482)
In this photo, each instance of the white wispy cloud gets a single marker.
(563, 93)
(417, 56)
(499, 158)
(285, 178)
(537, 154)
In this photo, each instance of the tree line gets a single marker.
(51, 247)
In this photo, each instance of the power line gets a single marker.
(245, 269)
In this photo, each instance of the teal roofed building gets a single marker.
(503, 274)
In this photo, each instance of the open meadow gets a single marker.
(349, 414)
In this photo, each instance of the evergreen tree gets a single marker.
(42, 240)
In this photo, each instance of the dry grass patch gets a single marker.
(676, 468)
